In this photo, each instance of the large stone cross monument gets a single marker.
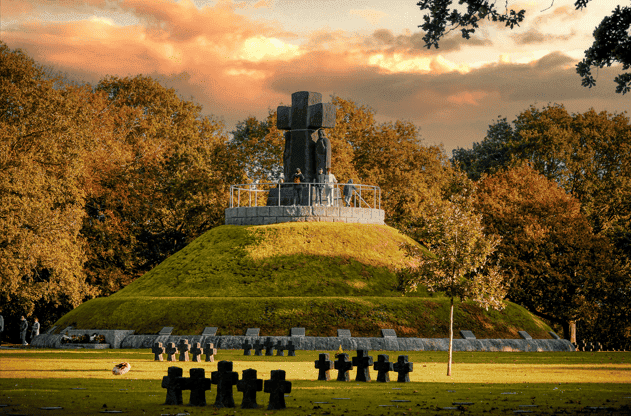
(306, 145)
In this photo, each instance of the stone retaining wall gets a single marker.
(275, 215)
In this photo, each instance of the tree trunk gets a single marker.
(569, 331)
(451, 335)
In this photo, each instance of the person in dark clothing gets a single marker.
(1, 328)
(298, 179)
(23, 330)
(348, 190)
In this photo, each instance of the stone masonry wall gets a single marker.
(275, 215)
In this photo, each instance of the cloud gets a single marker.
(414, 42)
(371, 16)
(534, 36)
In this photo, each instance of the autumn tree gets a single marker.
(44, 129)
(554, 264)
(159, 180)
(612, 39)
(458, 262)
(588, 155)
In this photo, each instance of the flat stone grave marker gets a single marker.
(277, 386)
(462, 403)
(291, 349)
(404, 368)
(252, 332)
(343, 366)
(209, 331)
(171, 383)
(184, 347)
(324, 365)
(388, 333)
(269, 347)
(166, 330)
(344, 333)
(297, 332)
(247, 347)
(171, 351)
(196, 352)
(383, 366)
(362, 362)
(341, 398)
(467, 334)
(210, 351)
(224, 378)
(249, 385)
(157, 351)
(524, 334)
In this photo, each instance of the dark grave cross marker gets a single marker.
(210, 352)
(280, 349)
(363, 362)
(198, 385)
(224, 378)
(249, 385)
(196, 352)
(403, 367)
(258, 347)
(158, 350)
(343, 365)
(291, 348)
(247, 347)
(171, 383)
(171, 351)
(277, 387)
(324, 365)
(305, 147)
(269, 347)
(184, 347)
(383, 366)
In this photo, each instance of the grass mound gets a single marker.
(320, 276)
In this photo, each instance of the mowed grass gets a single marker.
(81, 382)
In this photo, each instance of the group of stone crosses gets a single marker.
(276, 386)
(225, 379)
(363, 362)
(184, 348)
(269, 348)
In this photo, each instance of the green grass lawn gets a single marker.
(81, 382)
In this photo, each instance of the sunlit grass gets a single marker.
(81, 382)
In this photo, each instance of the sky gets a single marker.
(241, 58)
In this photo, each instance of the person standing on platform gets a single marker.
(23, 330)
(348, 190)
(330, 181)
(1, 328)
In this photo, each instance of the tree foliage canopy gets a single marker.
(612, 38)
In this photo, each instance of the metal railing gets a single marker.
(258, 195)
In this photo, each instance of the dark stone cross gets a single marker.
(306, 146)
(158, 350)
(291, 348)
(383, 366)
(269, 347)
(403, 367)
(196, 352)
(343, 366)
(171, 351)
(184, 347)
(280, 349)
(224, 378)
(247, 348)
(249, 385)
(324, 365)
(210, 352)
(258, 347)
(277, 387)
(363, 362)
(172, 384)
(198, 384)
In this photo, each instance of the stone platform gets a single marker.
(280, 214)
